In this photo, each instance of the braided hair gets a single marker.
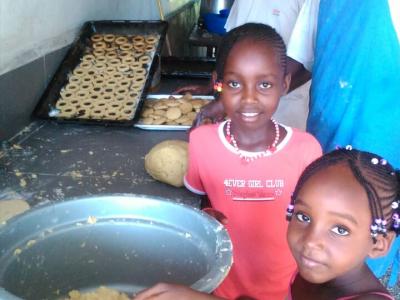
(251, 32)
(379, 179)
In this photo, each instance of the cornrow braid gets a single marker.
(378, 178)
(251, 32)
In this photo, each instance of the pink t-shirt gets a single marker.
(254, 197)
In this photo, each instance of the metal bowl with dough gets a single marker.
(124, 242)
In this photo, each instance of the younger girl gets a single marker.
(344, 209)
(248, 165)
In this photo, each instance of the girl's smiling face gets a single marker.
(253, 83)
(329, 233)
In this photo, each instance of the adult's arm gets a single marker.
(300, 75)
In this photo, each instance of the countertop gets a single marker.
(51, 161)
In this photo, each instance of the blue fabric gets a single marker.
(355, 93)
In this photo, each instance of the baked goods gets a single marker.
(11, 208)
(108, 82)
(167, 162)
(172, 110)
(102, 293)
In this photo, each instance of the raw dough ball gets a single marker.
(167, 162)
(11, 208)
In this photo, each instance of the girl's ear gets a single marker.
(286, 83)
(382, 245)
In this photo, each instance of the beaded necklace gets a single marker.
(270, 149)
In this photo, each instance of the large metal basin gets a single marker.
(126, 242)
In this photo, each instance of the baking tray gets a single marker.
(126, 242)
(154, 97)
(46, 105)
(187, 67)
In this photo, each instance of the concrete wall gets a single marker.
(36, 34)
(29, 29)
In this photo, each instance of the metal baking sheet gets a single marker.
(125, 242)
(46, 105)
(152, 97)
(187, 67)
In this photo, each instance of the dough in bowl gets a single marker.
(167, 162)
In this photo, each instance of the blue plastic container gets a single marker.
(215, 22)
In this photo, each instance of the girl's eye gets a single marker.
(340, 230)
(265, 85)
(234, 84)
(302, 217)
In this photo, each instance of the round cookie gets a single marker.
(186, 107)
(167, 162)
(173, 113)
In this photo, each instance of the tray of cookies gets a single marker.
(106, 74)
(170, 112)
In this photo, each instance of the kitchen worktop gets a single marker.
(51, 161)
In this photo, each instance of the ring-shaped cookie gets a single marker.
(125, 83)
(126, 47)
(61, 104)
(85, 87)
(67, 112)
(138, 53)
(97, 90)
(112, 115)
(111, 83)
(151, 39)
(109, 38)
(98, 52)
(123, 68)
(139, 79)
(83, 113)
(100, 105)
(140, 72)
(96, 38)
(128, 60)
(111, 55)
(98, 82)
(85, 65)
(116, 76)
(149, 48)
(121, 91)
(121, 40)
(145, 59)
(99, 45)
(86, 79)
(138, 39)
(82, 94)
(88, 58)
(78, 72)
(97, 113)
(108, 90)
(71, 87)
(87, 104)
(99, 66)
(139, 46)
(114, 62)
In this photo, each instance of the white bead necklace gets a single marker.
(270, 149)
